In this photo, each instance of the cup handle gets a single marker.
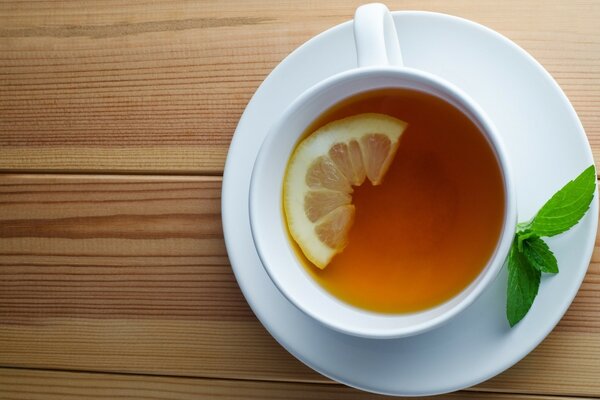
(375, 36)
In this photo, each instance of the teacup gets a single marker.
(379, 66)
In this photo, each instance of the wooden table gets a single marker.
(115, 120)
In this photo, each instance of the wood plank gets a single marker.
(566, 363)
(159, 87)
(49, 385)
(129, 274)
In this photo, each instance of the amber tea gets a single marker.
(427, 231)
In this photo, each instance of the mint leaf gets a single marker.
(523, 284)
(539, 255)
(567, 206)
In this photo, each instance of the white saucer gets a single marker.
(547, 147)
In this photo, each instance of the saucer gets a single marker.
(547, 147)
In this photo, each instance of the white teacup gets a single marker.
(379, 66)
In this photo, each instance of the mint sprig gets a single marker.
(530, 256)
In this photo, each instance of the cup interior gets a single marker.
(267, 220)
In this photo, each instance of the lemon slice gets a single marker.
(321, 172)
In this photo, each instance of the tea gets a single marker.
(426, 233)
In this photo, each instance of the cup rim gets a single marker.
(485, 277)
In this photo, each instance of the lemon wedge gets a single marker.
(323, 168)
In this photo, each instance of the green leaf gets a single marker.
(567, 206)
(523, 284)
(539, 255)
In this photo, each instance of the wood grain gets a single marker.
(129, 274)
(159, 88)
(50, 385)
